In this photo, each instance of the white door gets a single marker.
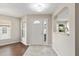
(36, 31)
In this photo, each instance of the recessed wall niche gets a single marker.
(61, 20)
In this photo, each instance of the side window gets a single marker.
(4, 30)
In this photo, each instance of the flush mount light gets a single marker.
(39, 7)
(36, 22)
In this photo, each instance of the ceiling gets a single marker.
(21, 9)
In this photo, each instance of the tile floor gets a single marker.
(40, 51)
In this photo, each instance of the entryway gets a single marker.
(38, 31)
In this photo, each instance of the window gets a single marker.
(23, 28)
(5, 32)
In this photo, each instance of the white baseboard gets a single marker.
(8, 41)
(23, 43)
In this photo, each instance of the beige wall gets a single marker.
(63, 44)
(77, 29)
(14, 22)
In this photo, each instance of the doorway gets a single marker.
(38, 31)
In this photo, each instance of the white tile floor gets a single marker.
(40, 51)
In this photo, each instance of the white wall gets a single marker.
(15, 36)
(63, 44)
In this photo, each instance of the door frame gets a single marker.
(42, 36)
